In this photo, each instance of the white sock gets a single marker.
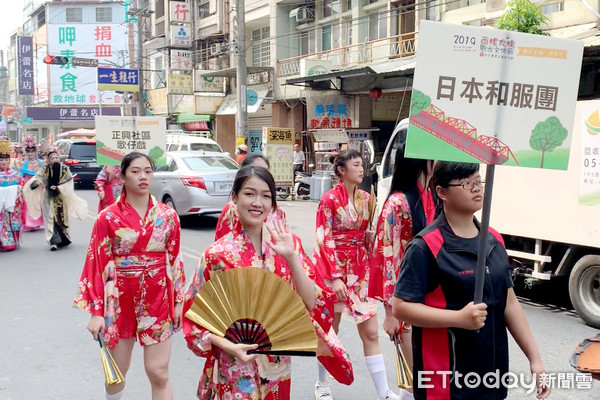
(376, 367)
(116, 396)
(323, 375)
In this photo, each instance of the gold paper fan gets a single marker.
(403, 372)
(252, 305)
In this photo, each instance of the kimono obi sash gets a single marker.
(349, 240)
(135, 264)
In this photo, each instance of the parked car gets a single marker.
(80, 156)
(195, 183)
(184, 142)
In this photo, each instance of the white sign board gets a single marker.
(208, 83)
(181, 36)
(118, 136)
(180, 11)
(589, 153)
(70, 84)
(491, 96)
(181, 60)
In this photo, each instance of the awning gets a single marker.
(232, 72)
(390, 75)
(255, 99)
(191, 117)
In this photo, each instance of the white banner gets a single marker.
(180, 11)
(181, 36)
(181, 60)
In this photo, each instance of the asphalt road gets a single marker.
(46, 352)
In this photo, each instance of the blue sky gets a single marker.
(10, 18)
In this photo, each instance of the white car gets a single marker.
(195, 182)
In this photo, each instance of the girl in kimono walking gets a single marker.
(229, 372)
(229, 217)
(108, 185)
(133, 279)
(341, 259)
(410, 206)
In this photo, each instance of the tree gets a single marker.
(522, 16)
(418, 102)
(547, 135)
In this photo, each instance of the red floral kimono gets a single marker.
(109, 181)
(11, 205)
(394, 231)
(229, 218)
(268, 377)
(340, 250)
(122, 244)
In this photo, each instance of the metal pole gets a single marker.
(241, 121)
(140, 65)
(480, 272)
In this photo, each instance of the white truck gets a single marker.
(547, 232)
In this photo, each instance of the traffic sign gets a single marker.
(119, 79)
(85, 62)
(27, 120)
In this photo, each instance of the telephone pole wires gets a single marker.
(241, 120)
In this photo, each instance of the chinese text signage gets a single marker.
(125, 80)
(329, 111)
(495, 97)
(70, 84)
(589, 153)
(25, 65)
(278, 146)
(181, 60)
(118, 136)
(180, 12)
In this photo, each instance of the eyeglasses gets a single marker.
(468, 185)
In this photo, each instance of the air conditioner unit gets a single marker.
(216, 49)
(304, 14)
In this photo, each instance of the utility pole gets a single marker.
(139, 13)
(241, 121)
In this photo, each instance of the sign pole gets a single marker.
(483, 234)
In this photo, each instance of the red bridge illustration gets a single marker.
(462, 135)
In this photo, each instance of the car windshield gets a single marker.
(83, 151)
(209, 163)
(206, 147)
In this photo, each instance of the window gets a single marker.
(207, 163)
(203, 9)
(205, 147)
(331, 7)
(306, 42)
(103, 14)
(326, 38)
(431, 13)
(347, 5)
(159, 8)
(74, 14)
(378, 25)
(41, 19)
(261, 47)
(552, 8)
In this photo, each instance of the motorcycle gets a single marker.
(302, 185)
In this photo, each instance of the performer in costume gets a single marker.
(30, 167)
(133, 280)
(229, 372)
(410, 206)
(229, 217)
(11, 200)
(341, 260)
(59, 200)
(108, 185)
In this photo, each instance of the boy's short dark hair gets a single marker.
(446, 171)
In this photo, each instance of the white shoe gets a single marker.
(322, 392)
(391, 396)
(406, 395)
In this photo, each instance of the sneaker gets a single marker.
(53, 247)
(322, 392)
(391, 396)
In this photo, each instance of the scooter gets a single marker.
(302, 185)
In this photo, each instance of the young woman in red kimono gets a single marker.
(410, 206)
(229, 217)
(229, 372)
(133, 281)
(341, 259)
(108, 185)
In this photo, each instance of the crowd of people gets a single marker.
(419, 263)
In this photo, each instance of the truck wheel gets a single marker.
(584, 289)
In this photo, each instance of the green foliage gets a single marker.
(522, 16)
(419, 101)
(156, 152)
(547, 135)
